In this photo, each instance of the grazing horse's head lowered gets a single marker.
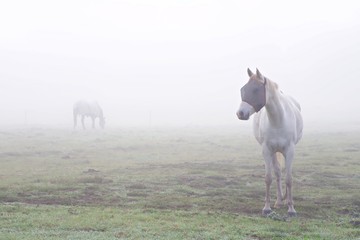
(253, 95)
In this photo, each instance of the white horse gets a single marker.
(88, 109)
(277, 127)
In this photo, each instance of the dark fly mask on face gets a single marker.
(254, 94)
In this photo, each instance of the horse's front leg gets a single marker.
(289, 156)
(269, 158)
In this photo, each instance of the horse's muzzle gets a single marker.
(245, 111)
(242, 115)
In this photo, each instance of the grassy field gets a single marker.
(181, 183)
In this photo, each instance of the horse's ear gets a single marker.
(259, 74)
(250, 73)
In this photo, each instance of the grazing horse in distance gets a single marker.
(88, 109)
(277, 127)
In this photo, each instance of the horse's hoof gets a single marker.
(292, 214)
(266, 212)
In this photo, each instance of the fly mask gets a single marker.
(254, 93)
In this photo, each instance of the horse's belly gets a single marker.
(278, 143)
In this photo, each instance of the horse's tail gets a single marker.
(281, 160)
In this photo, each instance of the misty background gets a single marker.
(175, 62)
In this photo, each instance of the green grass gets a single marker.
(171, 184)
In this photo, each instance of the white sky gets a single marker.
(180, 62)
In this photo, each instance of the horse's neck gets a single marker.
(273, 106)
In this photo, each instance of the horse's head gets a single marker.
(102, 122)
(253, 95)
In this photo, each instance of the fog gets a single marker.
(157, 63)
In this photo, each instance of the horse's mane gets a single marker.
(271, 84)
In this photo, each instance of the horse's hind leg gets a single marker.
(289, 156)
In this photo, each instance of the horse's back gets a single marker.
(296, 109)
(87, 108)
(81, 108)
